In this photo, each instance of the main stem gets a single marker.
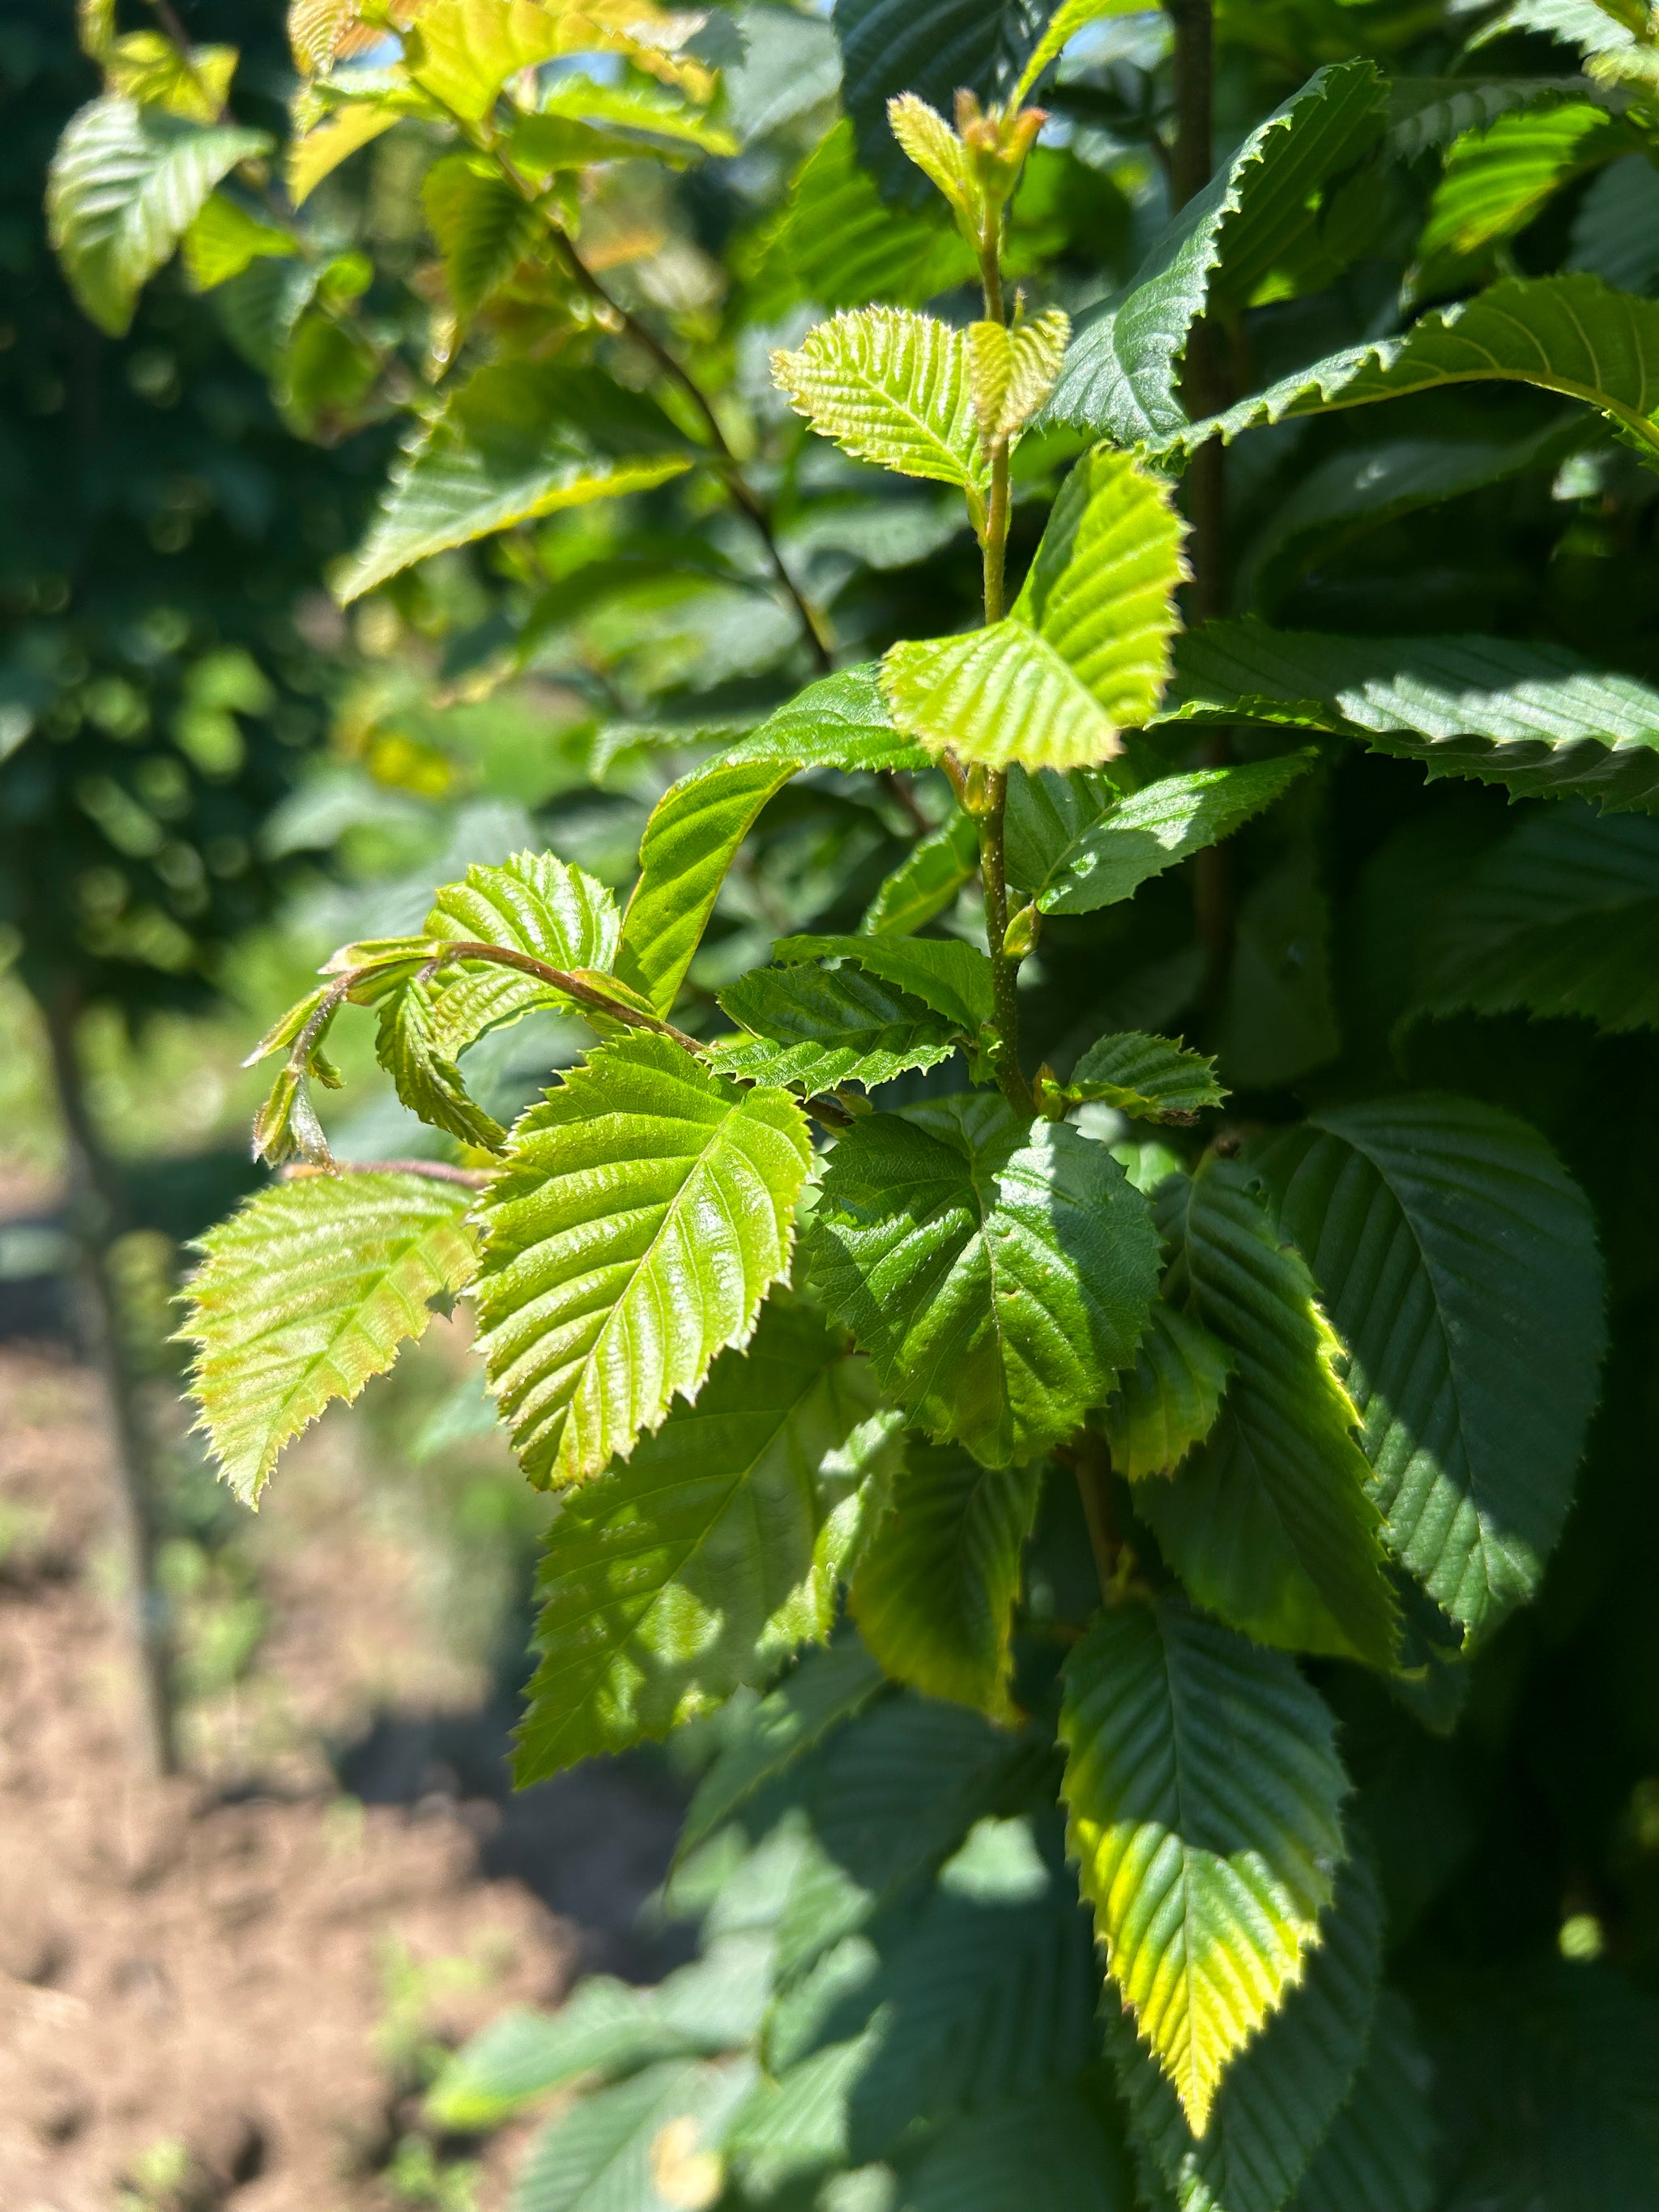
(993, 820)
(1207, 393)
(95, 1203)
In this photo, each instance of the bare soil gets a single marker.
(226, 1991)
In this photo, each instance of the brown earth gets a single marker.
(228, 1991)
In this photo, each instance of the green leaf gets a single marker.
(1560, 917)
(1150, 1079)
(1061, 2147)
(190, 81)
(1085, 651)
(1587, 24)
(483, 226)
(407, 1045)
(930, 47)
(1570, 334)
(953, 978)
(1431, 111)
(1285, 2089)
(1168, 1401)
(1012, 370)
(841, 245)
(1079, 848)
(1615, 233)
(892, 387)
(1377, 2156)
(532, 903)
(463, 51)
(927, 880)
(1534, 718)
(704, 1562)
(1122, 377)
(934, 1597)
(1067, 20)
(1496, 180)
(316, 152)
(309, 1289)
(828, 1687)
(1272, 1522)
(603, 2027)
(696, 827)
(979, 1994)
(1202, 1792)
(1422, 1218)
(225, 239)
(603, 2155)
(577, 121)
(519, 439)
(1278, 1018)
(645, 1208)
(125, 186)
(998, 1273)
(818, 1027)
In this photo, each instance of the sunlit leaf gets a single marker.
(645, 1208)
(817, 1027)
(307, 1292)
(1203, 1794)
(996, 1273)
(1168, 1401)
(1085, 651)
(706, 1560)
(889, 386)
(1150, 1079)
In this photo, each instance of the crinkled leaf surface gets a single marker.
(645, 1208)
(952, 978)
(1273, 1523)
(1150, 1079)
(1203, 1795)
(816, 1027)
(1537, 718)
(1378, 2156)
(996, 1273)
(1560, 917)
(934, 1597)
(705, 1561)
(1168, 1401)
(1122, 377)
(532, 903)
(1283, 2090)
(889, 386)
(1422, 1219)
(1570, 334)
(1085, 651)
(309, 1289)
(1080, 850)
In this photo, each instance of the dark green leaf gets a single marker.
(1561, 917)
(817, 1027)
(704, 1562)
(1202, 1792)
(927, 881)
(1377, 2156)
(1122, 377)
(934, 1595)
(1421, 1218)
(1061, 2147)
(1150, 1079)
(1534, 718)
(1283, 2090)
(1272, 1522)
(1168, 1401)
(952, 978)
(996, 1273)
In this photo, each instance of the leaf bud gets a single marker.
(1021, 935)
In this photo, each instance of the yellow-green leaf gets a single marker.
(891, 386)
(309, 1289)
(645, 1208)
(1203, 1795)
(1085, 654)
